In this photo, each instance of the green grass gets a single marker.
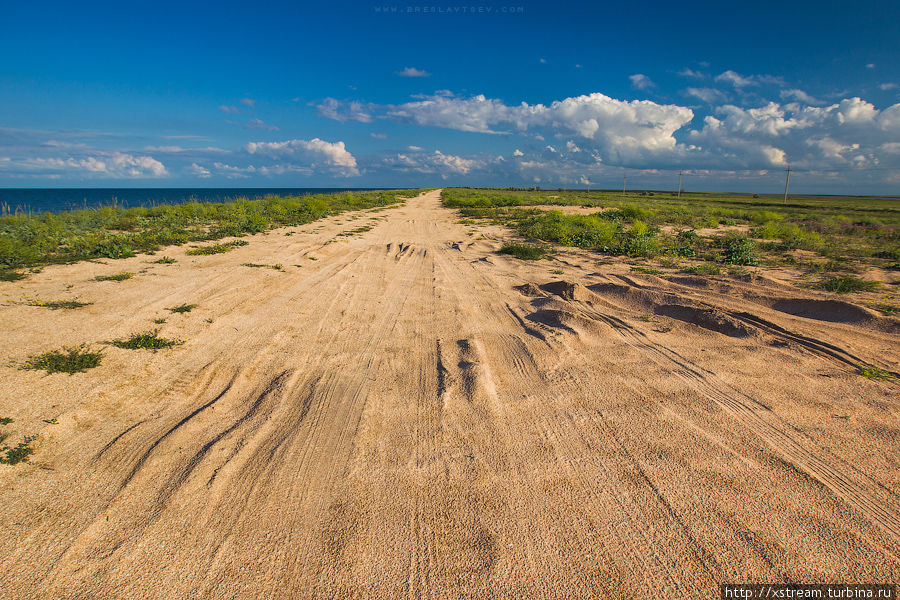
(9, 275)
(705, 270)
(18, 453)
(357, 231)
(67, 360)
(147, 340)
(182, 308)
(846, 284)
(116, 277)
(112, 232)
(524, 251)
(845, 232)
(873, 372)
(159, 321)
(5, 421)
(165, 260)
(208, 250)
(276, 266)
(59, 304)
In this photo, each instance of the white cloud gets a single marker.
(641, 81)
(378, 136)
(518, 152)
(686, 72)
(413, 72)
(708, 95)
(113, 165)
(248, 101)
(258, 124)
(229, 109)
(415, 148)
(436, 162)
(870, 66)
(799, 96)
(543, 61)
(313, 153)
(619, 130)
(344, 111)
(735, 79)
(887, 86)
(198, 171)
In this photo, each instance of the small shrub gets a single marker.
(165, 260)
(524, 251)
(116, 277)
(68, 360)
(845, 284)
(182, 308)
(5, 421)
(216, 248)
(147, 340)
(873, 372)
(739, 251)
(159, 321)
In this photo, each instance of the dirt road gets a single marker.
(402, 413)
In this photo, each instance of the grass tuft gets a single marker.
(8, 275)
(146, 340)
(59, 304)
(524, 251)
(182, 308)
(873, 372)
(116, 277)
(68, 360)
(165, 260)
(845, 284)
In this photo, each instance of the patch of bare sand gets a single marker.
(412, 415)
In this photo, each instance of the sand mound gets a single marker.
(834, 311)
(707, 319)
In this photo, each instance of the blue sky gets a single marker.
(273, 94)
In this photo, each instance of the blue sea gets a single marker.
(33, 200)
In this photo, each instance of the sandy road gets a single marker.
(412, 416)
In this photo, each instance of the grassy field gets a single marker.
(826, 238)
(28, 241)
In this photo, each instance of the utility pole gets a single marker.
(624, 181)
(679, 183)
(787, 180)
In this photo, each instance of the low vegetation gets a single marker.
(114, 232)
(276, 266)
(165, 260)
(703, 233)
(873, 372)
(58, 304)
(524, 251)
(182, 308)
(845, 284)
(18, 453)
(146, 340)
(67, 360)
(116, 277)
(215, 248)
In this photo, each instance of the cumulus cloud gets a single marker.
(314, 153)
(849, 133)
(620, 130)
(229, 109)
(641, 82)
(887, 86)
(248, 101)
(413, 72)
(518, 152)
(436, 162)
(344, 111)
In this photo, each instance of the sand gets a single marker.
(413, 416)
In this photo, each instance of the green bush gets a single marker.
(845, 284)
(68, 360)
(738, 250)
